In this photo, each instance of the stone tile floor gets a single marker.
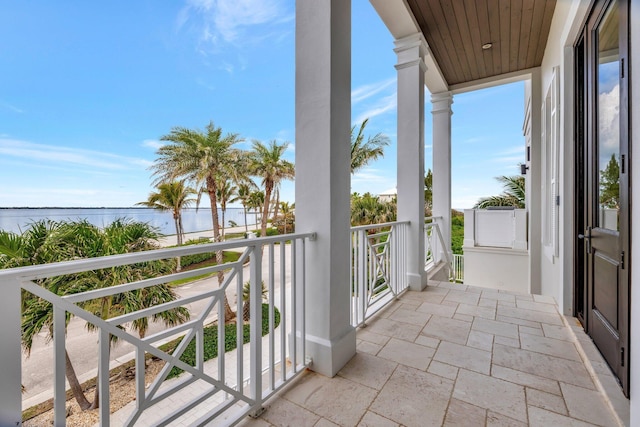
(455, 355)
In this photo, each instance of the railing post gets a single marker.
(59, 364)
(10, 387)
(103, 378)
(255, 272)
(363, 249)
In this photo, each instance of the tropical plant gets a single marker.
(266, 162)
(256, 201)
(226, 194)
(206, 158)
(428, 193)
(47, 241)
(275, 202)
(244, 192)
(368, 209)
(285, 221)
(362, 153)
(610, 184)
(513, 194)
(172, 196)
(246, 299)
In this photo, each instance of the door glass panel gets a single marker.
(608, 90)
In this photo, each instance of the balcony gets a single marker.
(460, 355)
(450, 355)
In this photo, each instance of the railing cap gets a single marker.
(41, 271)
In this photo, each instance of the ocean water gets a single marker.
(18, 219)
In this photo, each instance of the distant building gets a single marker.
(388, 195)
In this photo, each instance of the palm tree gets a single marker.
(208, 159)
(244, 192)
(288, 216)
(256, 201)
(171, 196)
(362, 153)
(47, 241)
(226, 194)
(513, 194)
(368, 209)
(266, 162)
(276, 201)
(246, 299)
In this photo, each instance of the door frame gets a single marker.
(585, 127)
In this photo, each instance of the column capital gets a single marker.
(441, 102)
(411, 51)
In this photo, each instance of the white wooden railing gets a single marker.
(209, 390)
(435, 248)
(378, 267)
(458, 267)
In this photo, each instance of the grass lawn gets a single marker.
(227, 256)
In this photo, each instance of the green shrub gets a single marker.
(211, 340)
(457, 234)
(270, 232)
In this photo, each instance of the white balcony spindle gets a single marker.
(59, 362)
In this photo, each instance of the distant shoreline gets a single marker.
(101, 207)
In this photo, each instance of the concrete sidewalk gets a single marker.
(172, 239)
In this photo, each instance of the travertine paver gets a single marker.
(457, 356)
(409, 354)
(505, 360)
(372, 419)
(443, 328)
(464, 357)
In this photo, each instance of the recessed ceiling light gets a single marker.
(487, 46)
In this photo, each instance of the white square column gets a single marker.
(634, 124)
(441, 112)
(411, 69)
(323, 176)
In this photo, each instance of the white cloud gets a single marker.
(285, 135)
(383, 105)
(475, 140)
(609, 124)
(291, 148)
(226, 21)
(69, 156)
(152, 143)
(12, 108)
(368, 174)
(366, 91)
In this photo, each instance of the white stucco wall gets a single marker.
(556, 273)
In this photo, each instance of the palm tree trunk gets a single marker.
(223, 211)
(211, 189)
(177, 225)
(276, 205)
(176, 221)
(246, 226)
(268, 187)
(76, 388)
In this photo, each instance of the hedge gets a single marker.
(211, 340)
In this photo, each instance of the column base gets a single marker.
(329, 356)
(417, 282)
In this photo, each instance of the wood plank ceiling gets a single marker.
(456, 30)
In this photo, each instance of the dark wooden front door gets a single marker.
(603, 198)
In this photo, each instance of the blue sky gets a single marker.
(88, 88)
